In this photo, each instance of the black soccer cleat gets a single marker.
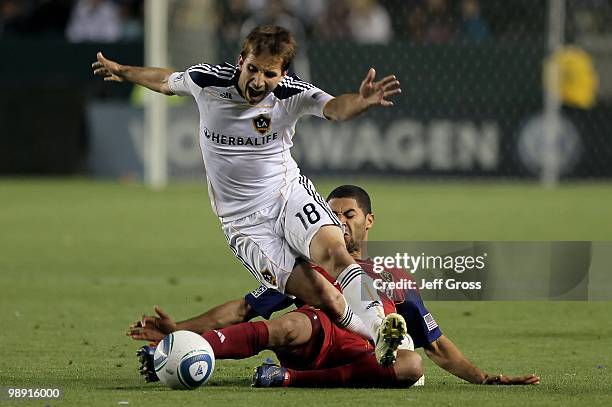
(147, 369)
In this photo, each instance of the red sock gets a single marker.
(238, 341)
(364, 372)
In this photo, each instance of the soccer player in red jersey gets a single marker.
(312, 350)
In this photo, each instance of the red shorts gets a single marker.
(329, 346)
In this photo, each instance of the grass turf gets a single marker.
(80, 260)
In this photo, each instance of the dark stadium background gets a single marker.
(471, 84)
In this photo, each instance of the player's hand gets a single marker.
(109, 70)
(511, 380)
(152, 328)
(376, 93)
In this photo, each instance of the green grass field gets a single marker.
(81, 260)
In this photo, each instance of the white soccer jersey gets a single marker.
(246, 149)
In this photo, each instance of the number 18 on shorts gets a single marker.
(268, 242)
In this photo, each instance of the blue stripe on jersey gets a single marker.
(205, 75)
(225, 69)
(290, 86)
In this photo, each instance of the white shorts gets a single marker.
(269, 242)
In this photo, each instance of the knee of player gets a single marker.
(408, 367)
(338, 256)
(289, 330)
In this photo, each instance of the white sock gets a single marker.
(353, 323)
(362, 298)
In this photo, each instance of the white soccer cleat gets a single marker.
(388, 338)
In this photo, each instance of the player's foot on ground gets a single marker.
(389, 336)
(270, 375)
(147, 369)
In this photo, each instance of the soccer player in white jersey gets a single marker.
(272, 216)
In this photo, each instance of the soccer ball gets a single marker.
(184, 360)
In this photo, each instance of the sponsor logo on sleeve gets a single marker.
(259, 291)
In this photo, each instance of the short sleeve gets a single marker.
(266, 301)
(421, 325)
(181, 84)
(312, 102)
(197, 77)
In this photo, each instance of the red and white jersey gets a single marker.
(246, 149)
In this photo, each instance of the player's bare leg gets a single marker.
(314, 289)
(291, 329)
(328, 249)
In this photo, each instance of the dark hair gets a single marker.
(355, 192)
(273, 39)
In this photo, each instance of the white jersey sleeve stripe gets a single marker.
(205, 75)
(290, 82)
(225, 72)
(221, 76)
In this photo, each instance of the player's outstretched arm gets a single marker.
(155, 79)
(371, 93)
(221, 316)
(446, 355)
(512, 380)
(154, 328)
